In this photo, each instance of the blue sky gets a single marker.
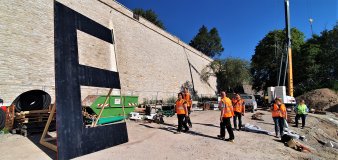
(240, 23)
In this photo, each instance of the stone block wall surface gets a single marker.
(152, 63)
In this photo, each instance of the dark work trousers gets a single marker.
(239, 117)
(181, 123)
(226, 123)
(188, 118)
(279, 125)
(303, 116)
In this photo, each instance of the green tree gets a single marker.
(265, 63)
(150, 15)
(231, 74)
(318, 62)
(208, 42)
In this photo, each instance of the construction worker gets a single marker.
(182, 112)
(239, 110)
(301, 112)
(187, 98)
(226, 114)
(278, 111)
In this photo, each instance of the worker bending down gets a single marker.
(239, 110)
(182, 113)
(226, 113)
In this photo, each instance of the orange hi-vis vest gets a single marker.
(187, 98)
(278, 111)
(238, 105)
(180, 107)
(227, 110)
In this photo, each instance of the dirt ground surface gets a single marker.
(158, 141)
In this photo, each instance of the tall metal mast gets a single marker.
(289, 55)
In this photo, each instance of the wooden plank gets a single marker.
(34, 111)
(43, 139)
(49, 145)
(104, 105)
(50, 139)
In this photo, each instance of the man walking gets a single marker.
(181, 111)
(239, 110)
(226, 113)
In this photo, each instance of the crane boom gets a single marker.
(289, 51)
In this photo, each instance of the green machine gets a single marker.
(113, 110)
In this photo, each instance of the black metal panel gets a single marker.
(68, 96)
(89, 26)
(103, 137)
(90, 76)
(73, 139)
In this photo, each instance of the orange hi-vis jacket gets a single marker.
(228, 111)
(238, 105)
(279, 111)
(180, 107)
(187, 98)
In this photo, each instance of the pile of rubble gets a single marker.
(321, 99)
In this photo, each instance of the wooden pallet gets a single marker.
(32, 116)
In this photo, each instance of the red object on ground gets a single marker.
(4, 108)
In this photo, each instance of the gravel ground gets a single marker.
(155, 141)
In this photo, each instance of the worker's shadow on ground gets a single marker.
(172, 128)
(35, 138)
(207, 124)
(265, 123)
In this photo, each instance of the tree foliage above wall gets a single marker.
(231, 74)
(208, 42)
(150, 15)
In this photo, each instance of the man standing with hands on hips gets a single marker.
(227, 113)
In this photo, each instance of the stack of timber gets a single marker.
(28, 122)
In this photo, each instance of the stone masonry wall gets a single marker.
(151, 62)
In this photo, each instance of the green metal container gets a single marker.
(114, 105)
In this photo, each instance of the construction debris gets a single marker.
(319, 112)
(321, 100)
(297, 146)
(32, 100)
(26, 122)
(257, 116)
(332, 144)
(294, 135)
(290, 142)
(256, 129)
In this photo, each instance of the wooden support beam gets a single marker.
(45, 141)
